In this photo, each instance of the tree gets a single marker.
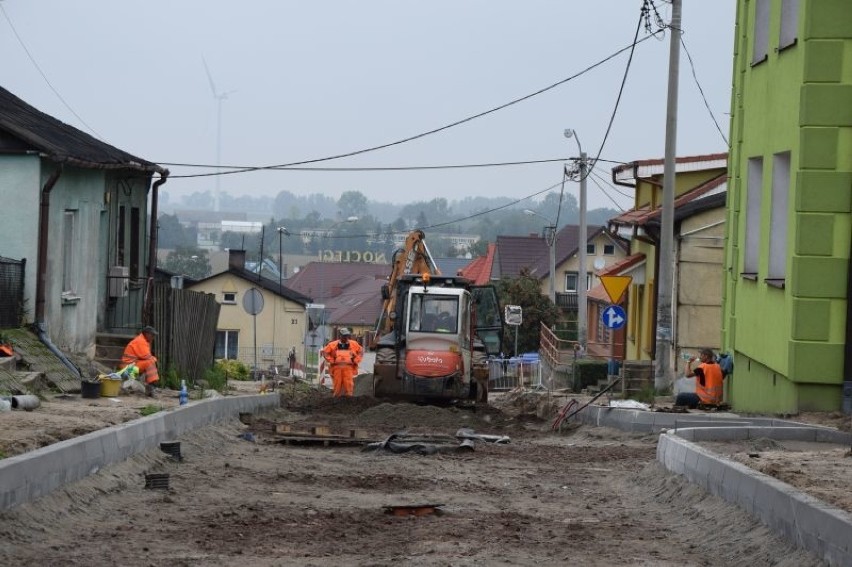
(352, 204)
(171, 234)
(188, 261)
(525, 290)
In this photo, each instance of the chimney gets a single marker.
(236, 259)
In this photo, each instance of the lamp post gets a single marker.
(281, 232)
(582, 305)
(551, 242)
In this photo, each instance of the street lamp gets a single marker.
(281, 232)
(582, 306)
(551, 242)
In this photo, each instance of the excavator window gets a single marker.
(434, 314)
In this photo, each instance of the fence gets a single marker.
(11, 292)
(510, 373)
(186, 321)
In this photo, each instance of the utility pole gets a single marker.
(552, 244)
(582, 297)
(663, 373)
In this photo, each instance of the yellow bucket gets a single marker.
(109, 387)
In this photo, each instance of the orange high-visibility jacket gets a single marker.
(709, 390)
(138, 352)
(335, 355)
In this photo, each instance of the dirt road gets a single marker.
(586, 497)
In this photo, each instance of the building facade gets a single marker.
(786, 292)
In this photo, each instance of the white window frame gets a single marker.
(778, 226)
(590, 248)
(576, 277)
(611, 248)
(230, 335)
(754, 190)
(226, 300)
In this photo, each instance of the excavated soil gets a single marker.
(585, 496)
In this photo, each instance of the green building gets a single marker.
(786, 308)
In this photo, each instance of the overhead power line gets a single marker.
(630, 47)
(701, 90)
(43, 76)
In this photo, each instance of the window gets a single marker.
(571, 279)
(434, 313)
(229, 297)
(590, 248)
(571, 282)
(789, 23)
(778, 225)
(69, 264)
(752, 227)
(609, 249)
(227, 344)
(761, 32)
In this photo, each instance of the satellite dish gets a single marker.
(599, 263)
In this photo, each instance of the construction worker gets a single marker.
(708, 381)
(138, 352)
(342, 357)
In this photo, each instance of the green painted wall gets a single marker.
(789, 342)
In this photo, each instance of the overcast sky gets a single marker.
(315, 78)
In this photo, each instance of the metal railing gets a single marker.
(11, 292)
(510, 373)
(126, 297)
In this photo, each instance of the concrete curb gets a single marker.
(804, 521)
(26, 477)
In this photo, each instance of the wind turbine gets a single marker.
(220, 97)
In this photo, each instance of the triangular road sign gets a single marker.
(615, 286)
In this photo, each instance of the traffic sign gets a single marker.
(513, 314)
(613, 317)
(253, 301)
(615, 286)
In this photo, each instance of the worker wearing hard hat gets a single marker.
(342, 357)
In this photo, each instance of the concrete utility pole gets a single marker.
(582, 245)
(663, 373)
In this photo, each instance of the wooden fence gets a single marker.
(186, 321)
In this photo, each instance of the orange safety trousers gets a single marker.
(138, 352)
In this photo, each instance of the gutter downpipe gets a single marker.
(846, 400)
(148, 305)
(41, 292)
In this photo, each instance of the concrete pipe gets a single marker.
(28, 403)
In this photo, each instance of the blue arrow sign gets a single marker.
(613, 317)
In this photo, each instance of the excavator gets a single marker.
(435, 332)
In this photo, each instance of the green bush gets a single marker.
(233, 369)
(216, 378)
(170, 379)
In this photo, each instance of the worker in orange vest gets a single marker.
(708, 381)
(342, 357)
(138, 352)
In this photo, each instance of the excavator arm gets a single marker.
(412, 258)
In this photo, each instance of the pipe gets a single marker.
(43, 225)
(42, 336)
(26, 402)
(148, 305)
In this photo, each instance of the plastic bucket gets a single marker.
(110, 388)
(90, 389)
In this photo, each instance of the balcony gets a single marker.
(566, 301)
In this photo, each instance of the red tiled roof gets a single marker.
(479, 270)
(662, 161)
(323, 280)
(642, 215)
(622, 265)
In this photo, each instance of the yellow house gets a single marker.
(260, 321)
(700, 190)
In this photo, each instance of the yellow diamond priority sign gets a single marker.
(615, 286)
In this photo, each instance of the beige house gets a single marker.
(260, 320)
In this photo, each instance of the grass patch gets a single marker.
(2, 454)
(150, 409)
(233, 369)
(216, 378)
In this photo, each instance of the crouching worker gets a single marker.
(138, 352)
(342, 357)
(708, 381)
